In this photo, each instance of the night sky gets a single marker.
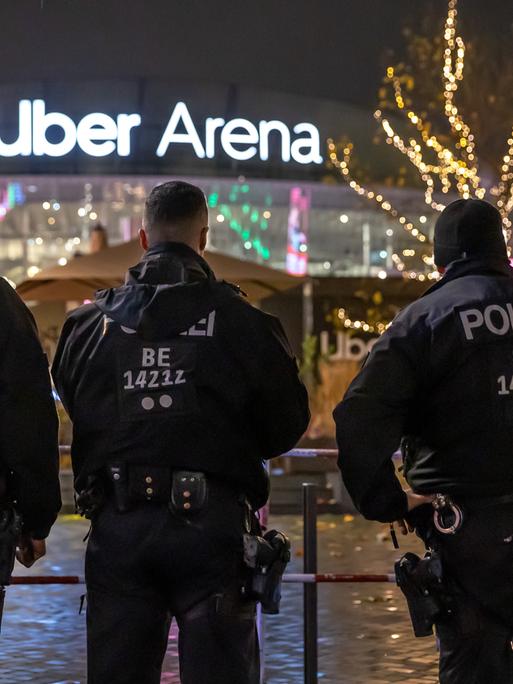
(320, 48)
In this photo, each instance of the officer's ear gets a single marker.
(143, 239)
(203, 239)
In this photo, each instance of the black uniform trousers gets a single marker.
(475, 644)
(148, 565)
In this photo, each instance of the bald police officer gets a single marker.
(179, 390)
(442, 375)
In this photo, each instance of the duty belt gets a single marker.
(184, 491)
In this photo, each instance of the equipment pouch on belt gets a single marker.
(184, 491)
(421, 581)
(189, 492)
(267, 556)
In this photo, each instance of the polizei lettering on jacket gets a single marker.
(494, 318)
(99, 135)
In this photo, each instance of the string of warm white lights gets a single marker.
(504, 189)
(439, 167)
(450, 167)
(413, 275)
(361, 325)
(365, 327)
(385, 205)
(454, 62)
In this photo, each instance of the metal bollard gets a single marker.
(310, 590)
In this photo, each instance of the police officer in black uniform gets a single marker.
(29, 456)
(179, 390)
(442, 375)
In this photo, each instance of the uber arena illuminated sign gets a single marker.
(101, 135)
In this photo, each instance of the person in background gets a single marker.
(441, 379)
(99, 239)
(179, 390)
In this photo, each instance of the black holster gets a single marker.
(267, 557)
(422, 582)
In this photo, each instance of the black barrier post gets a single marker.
(310, 590)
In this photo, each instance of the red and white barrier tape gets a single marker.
(329, 577)
(289, 578)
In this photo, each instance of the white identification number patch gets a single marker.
(153, 379)
(156, 378)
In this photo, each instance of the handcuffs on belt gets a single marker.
(443, 504)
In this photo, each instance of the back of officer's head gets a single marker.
(468, 228)
(175, 212)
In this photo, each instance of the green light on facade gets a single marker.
(266, 253)
(244, 188)
(264, 224)
(11, 196)
(254, 216)
(246, 208)
(232, 197)
(213, 199)
(268, 201)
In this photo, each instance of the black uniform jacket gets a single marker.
(443, 372)
(176, 368)
(28, 419)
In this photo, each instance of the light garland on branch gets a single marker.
(440, 168)
(385, 205)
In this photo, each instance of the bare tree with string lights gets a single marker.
(446, 164)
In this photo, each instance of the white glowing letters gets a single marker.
(101, 135)
(347, 348)
(240, 139)
(97, 134)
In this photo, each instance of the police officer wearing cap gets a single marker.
(178, 390)
(442, 377)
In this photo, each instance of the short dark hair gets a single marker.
(171, 203)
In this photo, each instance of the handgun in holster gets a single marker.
(422, 583)
(267, 557)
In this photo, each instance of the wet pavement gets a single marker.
(364, 633)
